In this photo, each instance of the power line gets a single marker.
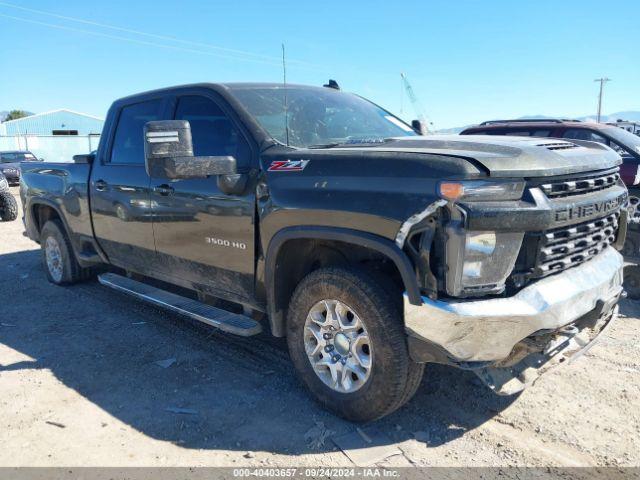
(133, 40)
(231, 53)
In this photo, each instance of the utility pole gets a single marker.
(602, 81)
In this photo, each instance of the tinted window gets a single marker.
(128, 143)
(541, 133)
(486, 132)
(12, 157)
(212, 131)
(530, 133)
(584, 134)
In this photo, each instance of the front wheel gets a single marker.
(347, 341)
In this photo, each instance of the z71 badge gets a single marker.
(288, 165)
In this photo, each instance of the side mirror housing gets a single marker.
(419, 127)
(168, 149)
(84, 158)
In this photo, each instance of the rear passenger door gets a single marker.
(119, 190)
(203, 236)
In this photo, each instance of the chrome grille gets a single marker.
(591, 183)
(566, 247)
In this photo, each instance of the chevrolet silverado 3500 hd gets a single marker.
(319, 216)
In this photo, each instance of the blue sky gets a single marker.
(468, 61)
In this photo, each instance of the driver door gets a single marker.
(203, 236)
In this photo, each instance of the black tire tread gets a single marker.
(400, 385)
(73, 273)
(8, 207)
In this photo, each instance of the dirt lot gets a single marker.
(79, 386)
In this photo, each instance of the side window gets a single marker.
(530, 133)
(212, 131)
(584, 134)
(128, 142)
(541, 133)
(488, 132)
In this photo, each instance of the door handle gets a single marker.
(101, 185)
(163, 189)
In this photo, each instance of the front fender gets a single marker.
(374, 242)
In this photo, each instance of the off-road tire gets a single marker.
(394, 377)
(8, 207)
(72, 272)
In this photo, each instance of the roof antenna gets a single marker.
(286, 109)
(332, 84)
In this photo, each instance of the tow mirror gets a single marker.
(84, 158)
(419, 127)
(168, 150)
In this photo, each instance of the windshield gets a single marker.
(13, 157)
(626, 139)
(319, 117)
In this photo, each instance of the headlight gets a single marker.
(481, 190)
(3, 183)
(480, 262)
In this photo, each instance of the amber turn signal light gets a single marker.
(451, 190)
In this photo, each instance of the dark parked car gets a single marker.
(10, 164)
(8, 204)
(625, 143)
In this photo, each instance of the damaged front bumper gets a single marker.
(510, 341)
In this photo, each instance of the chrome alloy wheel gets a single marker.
(338, 346)
(54, 258)
(633, 207)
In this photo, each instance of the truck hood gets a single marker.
(503, 156)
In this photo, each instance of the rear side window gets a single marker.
(128, 142)
(212, 131)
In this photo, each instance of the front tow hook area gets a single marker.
(542, 351)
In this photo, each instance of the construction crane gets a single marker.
(416, 104)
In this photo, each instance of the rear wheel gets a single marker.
(58, 259)
(8, 207)
(348, 344)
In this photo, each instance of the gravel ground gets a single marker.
(79, 386)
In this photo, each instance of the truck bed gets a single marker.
(63, 186)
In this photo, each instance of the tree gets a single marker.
(15, 114)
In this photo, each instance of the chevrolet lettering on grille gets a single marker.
(582, 211)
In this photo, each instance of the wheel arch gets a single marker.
(41, 211)
(277, 301)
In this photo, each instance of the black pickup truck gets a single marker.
(319, 216)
